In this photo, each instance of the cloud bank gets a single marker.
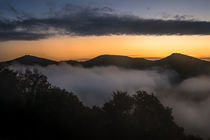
(190, 99)
(86, 21)
(95, 85)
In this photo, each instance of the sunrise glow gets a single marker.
(79, 48)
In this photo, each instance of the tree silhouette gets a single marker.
(31, 108)
(31, 83)
(140, 116)
(154, 120)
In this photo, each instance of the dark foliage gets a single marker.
(31, 108)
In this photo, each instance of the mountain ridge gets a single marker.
(31, 60)
(104, 55)
(186, 66)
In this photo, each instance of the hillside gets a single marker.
(32, 60)
(116, 60)
(186, 66)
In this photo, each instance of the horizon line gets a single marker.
(86, 59)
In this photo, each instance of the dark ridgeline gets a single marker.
(117, 60)
(32, 60)
(31, 108)
(185, 66)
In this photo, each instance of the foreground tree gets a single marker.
(140, 116)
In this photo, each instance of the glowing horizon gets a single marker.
(68, 47)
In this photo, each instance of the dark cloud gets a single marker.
(10, 30)
(184, 17)
(7, 36)
(80, 21)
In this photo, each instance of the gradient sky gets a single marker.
(198, 9)
(82, 29)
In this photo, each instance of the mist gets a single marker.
(94, 86)
(189, 99)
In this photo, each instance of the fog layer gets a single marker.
(190, 99)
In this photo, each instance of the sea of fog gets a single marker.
(190, 99)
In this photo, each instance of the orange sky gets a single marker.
(68, 47)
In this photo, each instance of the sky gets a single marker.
(82, 29)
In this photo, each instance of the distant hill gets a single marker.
(117, 60)
(31, 60)
(186, 66)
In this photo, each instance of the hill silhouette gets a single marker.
(32, 60)
(185, 66)
(117, 60)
